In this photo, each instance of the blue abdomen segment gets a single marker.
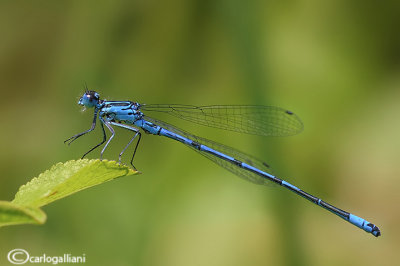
(172, 135)
(357, 221)
(148, 127)
(365, 225)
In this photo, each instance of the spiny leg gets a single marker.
(137, 133)
(104, 140)
(111, 137)
(73, 138)
(134, 152)
(129, 143)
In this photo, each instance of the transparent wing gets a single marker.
(241, 156)
(250, 119)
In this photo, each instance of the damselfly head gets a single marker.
(89, 99)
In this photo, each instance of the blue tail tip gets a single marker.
(365, 225)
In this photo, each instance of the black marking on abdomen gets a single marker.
(331, 208)
(196, 145)
(276, 180)
(237, 162)
(271, 178)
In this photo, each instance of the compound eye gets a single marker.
(92, 95)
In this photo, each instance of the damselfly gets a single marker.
(258, 120)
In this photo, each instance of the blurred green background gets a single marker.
(334, 63)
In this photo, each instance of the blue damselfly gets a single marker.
(258, 120)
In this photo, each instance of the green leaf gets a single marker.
(11, 213)
(64, 179)
(61, 180)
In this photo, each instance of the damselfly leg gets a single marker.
(73, 138)
(137, 133)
